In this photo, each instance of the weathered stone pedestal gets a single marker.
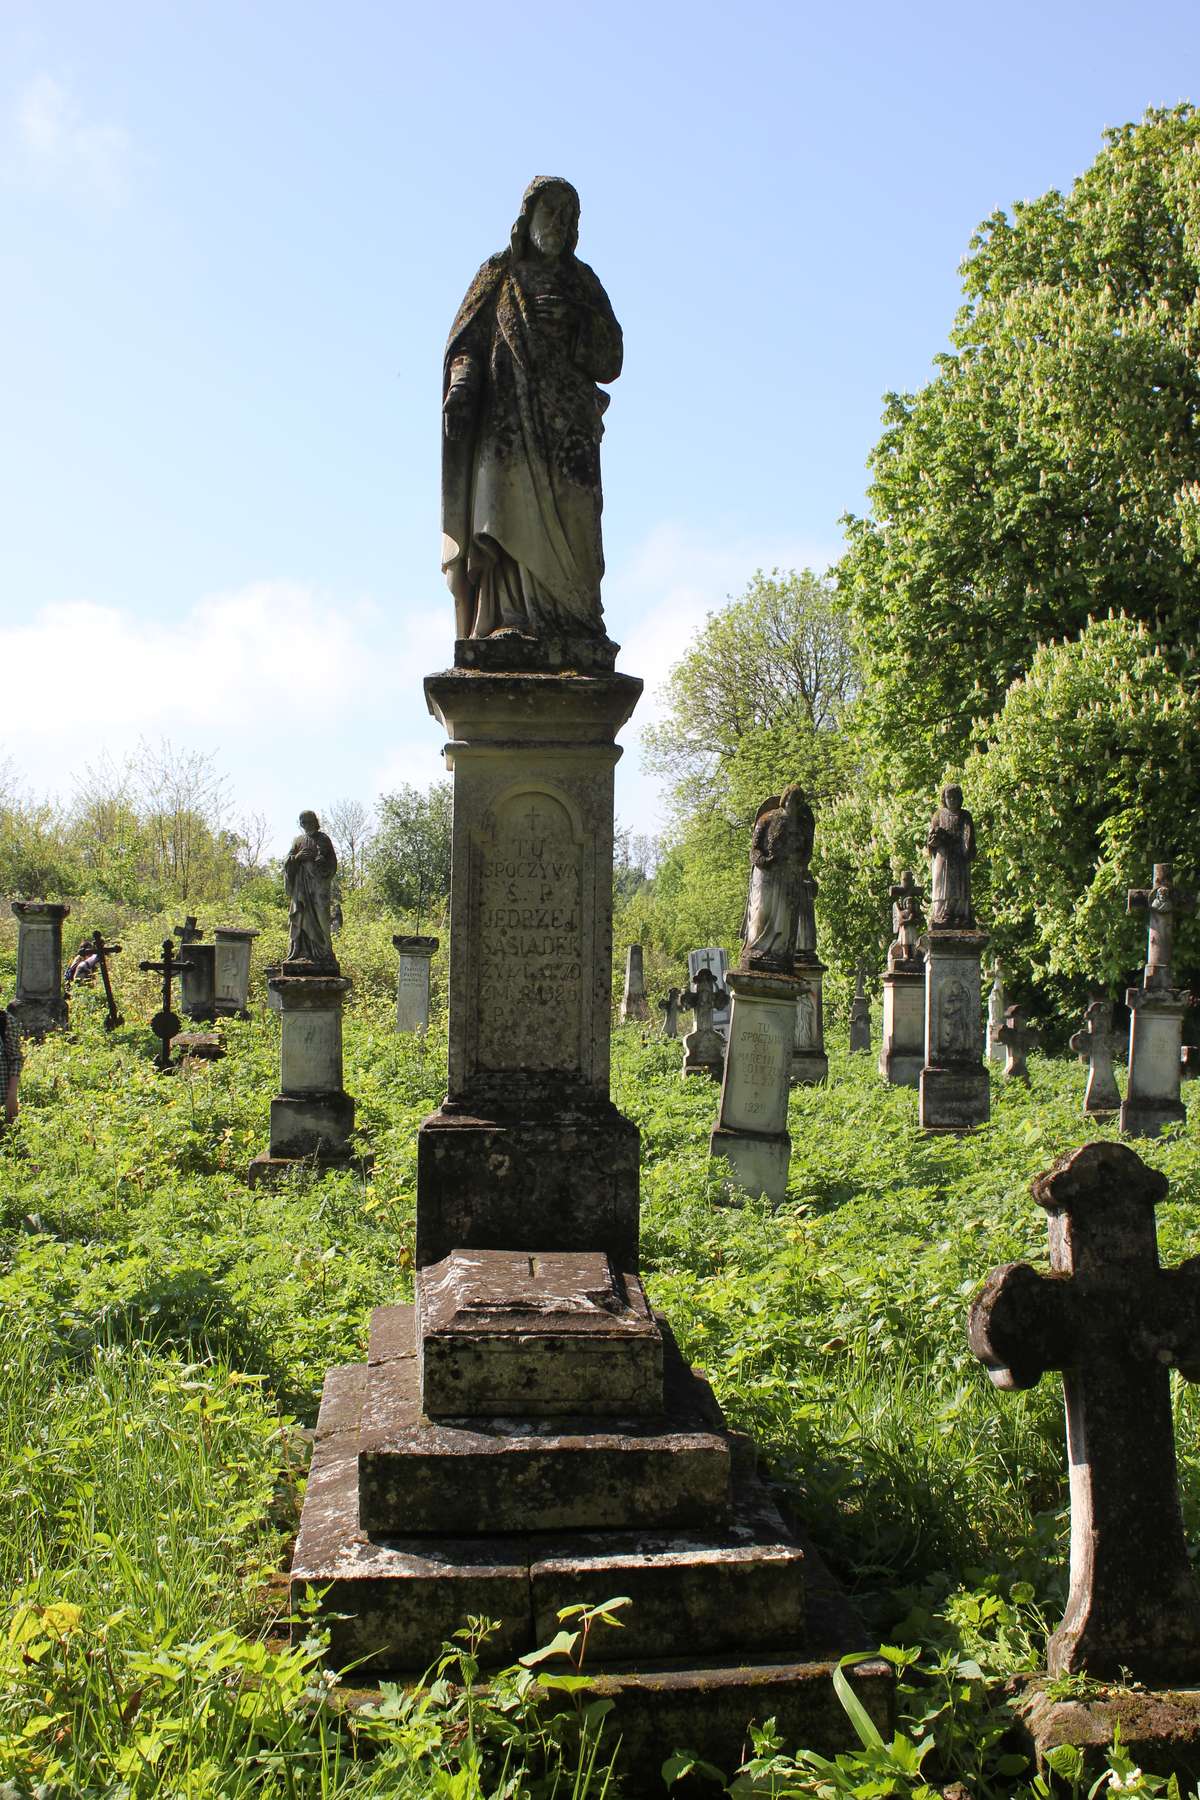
(954, 1091)
(198, 982)
(751, 1131)
(1155, 1036)
(231, 979)
(312, 1116)
(527, 1435)
(634, 1004)
(412, 982)
(40, 1004)
(902, 1043)
(810, 1065)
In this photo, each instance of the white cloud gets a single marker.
(55, 143)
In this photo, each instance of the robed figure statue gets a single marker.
(951, 846)
(308, 872)
(522, 422)
(780, 847)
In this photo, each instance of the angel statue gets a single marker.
(780, 846)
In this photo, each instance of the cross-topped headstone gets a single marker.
(1018, 1038)
(860, 1014)
(1162, 903)
(907, 920)
(189, 931)
(112, 1017)
(165, 1023)
(1097, 1043)
(670, 1011)
(703, 1046)
(1115, 1324)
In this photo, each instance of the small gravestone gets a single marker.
(198, 983)
(634, 1004)
(860, 1017)
(1156, 1014)
(40, 1005)
(1115, 1324)
(997, 1006)
(412, 981)
(165, 1023)
(1097, 1043)
(231, 976)
(902, 1038)
(703, 1045)
(669, 1008)
(1018, 1038)
(713, 958)
(954, 1094)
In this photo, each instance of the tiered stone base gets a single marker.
(36, 1018)
(411, 1523)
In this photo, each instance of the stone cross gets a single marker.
(1018, 1038)
(860, 1015)
(189, 931)
(670, 1010)
(1097, 1043)
(112, 1017)
(703, 1046)
(906, 898)
(1161, 902)
(1115, 1324)
(701, 997)
(165, 1023)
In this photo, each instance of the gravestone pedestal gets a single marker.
(412, 982)
(810, 1065)
(1155, 1036)
(231, 979)
(312, 1116)
(751, 1131)
(198, 982)
(954, 1092)
(902, 1045)
(40, 1005)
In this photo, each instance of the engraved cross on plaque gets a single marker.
(165, 1023)
(1161, 903)
(1097, 1043)
(1115, 1323)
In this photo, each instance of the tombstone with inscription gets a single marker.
(412, 981)
(669, 1008)
(751, 1130)
(198, 981)
(703, 1045)
(1156, 1012)
(902, 1038)
(231, 974)
(1018, 1037)
(860, 1016)
(634, 1004)
(1097, 1043)
(954, 1092)
(40, 1005)
(713, 958)
(996, 1007)
(312, 1116)
(527, 1434)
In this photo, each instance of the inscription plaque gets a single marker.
(312, 1052)
(756, 1079)
(37, 962)
(530, 986)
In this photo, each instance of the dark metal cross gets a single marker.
(165, 1023)
(1097, 1043)
(189, 931)
(1018, 1038)
(112, 1017)
(1115, 1323)
(1162, 903)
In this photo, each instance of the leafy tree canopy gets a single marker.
(1048, 472)
(409, 855)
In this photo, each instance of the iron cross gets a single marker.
(165, 1023)
(112, 1017)
(1115, 1323)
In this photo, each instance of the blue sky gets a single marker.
(234, 239)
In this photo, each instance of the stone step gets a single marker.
(473, 1476)
(393, 1600)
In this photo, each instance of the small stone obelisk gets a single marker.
(1156, 1013)
(634, 1004)
(902, 1040)
(860, 1016)
(954, 1093)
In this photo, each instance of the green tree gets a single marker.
(409, 856)
(1048, 471)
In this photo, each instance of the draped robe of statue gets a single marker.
(521, 494)
(780, 847)
(951, 845)
(308, 872)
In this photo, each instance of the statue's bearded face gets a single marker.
(552, 221)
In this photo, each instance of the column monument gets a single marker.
(954, 1092)
(1156, 1013)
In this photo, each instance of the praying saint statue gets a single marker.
(780, 847)
(951, 845)
(522, 423)
(308, 872)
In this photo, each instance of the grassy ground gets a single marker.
(167, 1331)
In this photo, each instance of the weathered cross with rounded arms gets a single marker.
(1115, 1323)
